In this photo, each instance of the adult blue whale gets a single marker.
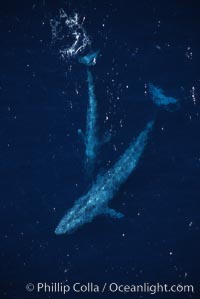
(95, 202)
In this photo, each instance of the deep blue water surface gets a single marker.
(41, 168)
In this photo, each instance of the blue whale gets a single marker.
(91, 139)
(95, 201)
(89, 59)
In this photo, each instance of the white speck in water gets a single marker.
(193, 95)
(188, 53)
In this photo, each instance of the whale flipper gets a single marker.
(112, 213)
(106, 137)
(81, 134)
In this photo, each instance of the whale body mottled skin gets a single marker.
(91, 134)
(90, 137)
(95, 202)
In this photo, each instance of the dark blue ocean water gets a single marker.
(43, 102)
